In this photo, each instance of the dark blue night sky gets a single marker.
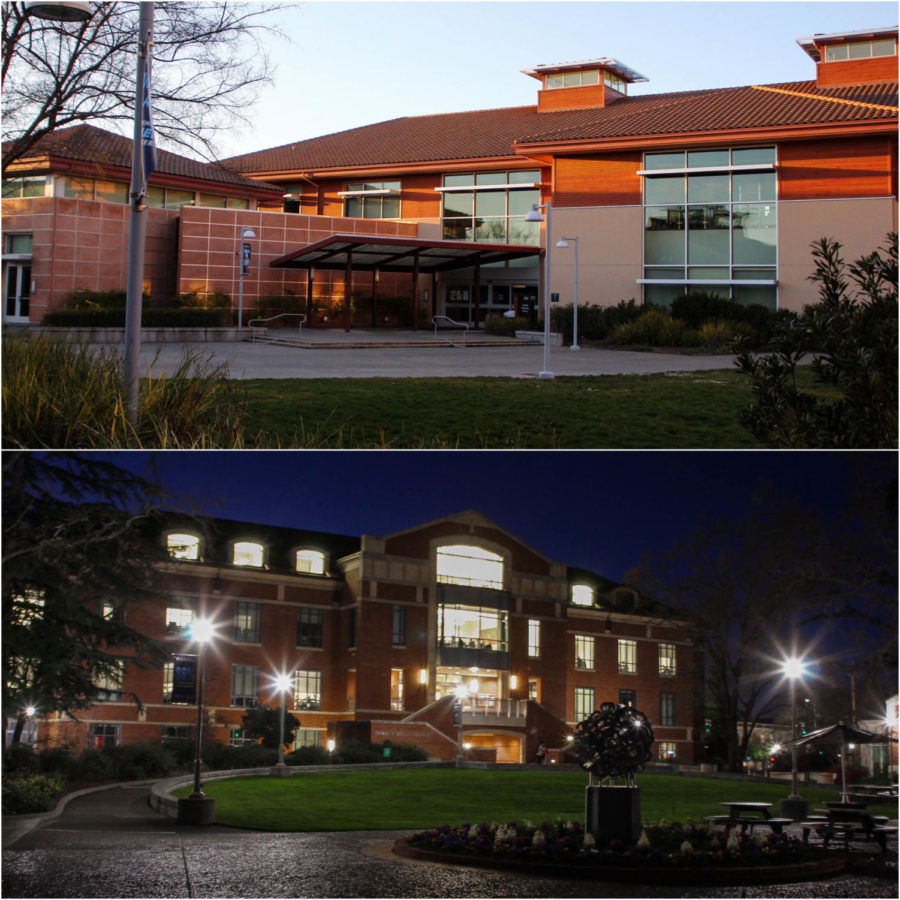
(597, 510)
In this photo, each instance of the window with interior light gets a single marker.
(109, 684)
(667, 666)
(473, 627)
(469, 566)
(310, 562)
(534, 637)
(397, 690)
(247, 553)
(307, 689)
(584, 703)
(666, 750)
(628, 698)
(627, 657)
(582, 595)
(181, 545)
(179, 616)
(584, 651)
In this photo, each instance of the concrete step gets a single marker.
(388, 344)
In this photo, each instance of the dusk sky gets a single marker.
(353, 64)
(597, 510)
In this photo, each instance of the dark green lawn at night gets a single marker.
(416, 799)
(675, 411)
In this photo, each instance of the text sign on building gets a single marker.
(184, 682)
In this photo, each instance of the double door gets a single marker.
(16, 291)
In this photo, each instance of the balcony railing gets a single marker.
(474, 707)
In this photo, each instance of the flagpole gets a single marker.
(138, 225)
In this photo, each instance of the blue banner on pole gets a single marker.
(148, 139)
(245, 259)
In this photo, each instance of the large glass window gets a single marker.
(247, 622)
(372, 200)
(247, 553)
(397, 689)
(470, 566)
(473, 627)
(710, 221)
(307, 689)
(534, 637)
(582, 595)
(860, 50)
(310, 562)
(179, 617)
(584, 703)
(491, 207)
(310, 627)
(245, 686)
(627, 656)
(183, 546)
(667, 660)
(109, 684)
(18, 188)
(584, 651)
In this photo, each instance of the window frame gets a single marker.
(668, 659)
(586, 661)
(306, 689)
(245, 545)
(486, 560)
(534, 638)
(188, 551)
(315, 558)
(242, 673)
(627, 656)
(583, 694)
(398, 625)
(312, 613)
(252, 611)
(579, 592)
(668, 709)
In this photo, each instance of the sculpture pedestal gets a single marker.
(196, 810)
(613, 812)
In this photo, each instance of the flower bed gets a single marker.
(664, 852)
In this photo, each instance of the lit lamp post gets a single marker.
(794, 807)
(197, 808)
(142, 160)
(282, 685)
(562, 243)
(535, 216)
(244, 263)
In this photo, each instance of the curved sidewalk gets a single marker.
(376, 360)
(109, 843)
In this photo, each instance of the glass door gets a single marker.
(16, 292)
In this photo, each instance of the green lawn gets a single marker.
(417, 798)
(693, 410)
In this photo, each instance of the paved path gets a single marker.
(110, 843)
(249, 360)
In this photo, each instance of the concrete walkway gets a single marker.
(109, 843)
(376, 354)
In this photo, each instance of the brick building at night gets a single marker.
(377, 635)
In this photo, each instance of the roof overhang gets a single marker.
(394, 254)
(602, 62)
(811, 44)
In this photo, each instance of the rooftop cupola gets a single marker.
(853, 57)
(582, 85)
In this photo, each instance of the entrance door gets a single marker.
(16, 292)
(525, 301)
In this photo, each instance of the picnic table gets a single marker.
(747, 814)
(848, 821)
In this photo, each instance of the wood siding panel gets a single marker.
(856, 71)
(816, 170)
(607, 179)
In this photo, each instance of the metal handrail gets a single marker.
(463, 325)
(301, 316)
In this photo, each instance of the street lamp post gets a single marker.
(535, 216)
(562, 243)
(197, 808)
(282, 685)
(244, 264)
(794, 807)
(63, 11)
(460, 694)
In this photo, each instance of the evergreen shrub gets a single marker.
(31, 793)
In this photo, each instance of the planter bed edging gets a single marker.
(805, 871)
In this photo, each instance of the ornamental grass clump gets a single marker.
(674, 845)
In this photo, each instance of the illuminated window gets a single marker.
(473, 627)
(178, 618)
(666, 750)
(101, 736)
(310, 562)
(307, 689)
(109, 684)
(397, 689)
(667, 660)
(28, 607)
(582, 595)
(534, 689)
(471, 566)
(627, 657)
(584, 703)
(183, 546)
(584, 651)
(248, 553)
(628, 698)
(534, 637)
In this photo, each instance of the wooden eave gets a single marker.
(680, 139)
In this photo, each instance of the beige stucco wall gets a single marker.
(859, 225)
(609, 254)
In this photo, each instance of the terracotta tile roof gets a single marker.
(495, 132)
(87, 143)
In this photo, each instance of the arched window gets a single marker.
(311, 562)
(247, 553)
(582, 595)
(183, 546)
(470, 566)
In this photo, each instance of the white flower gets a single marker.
(538, 838)
(643, 842)
(734, 840)
(686, 849)
(758, 838)
(589, 841)
(473, 831)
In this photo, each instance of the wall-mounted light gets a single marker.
(513, 682)
(423, 676)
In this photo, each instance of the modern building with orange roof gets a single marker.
(722, 189)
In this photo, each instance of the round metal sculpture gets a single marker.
(614, 741)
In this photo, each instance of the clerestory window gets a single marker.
(469, 566)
